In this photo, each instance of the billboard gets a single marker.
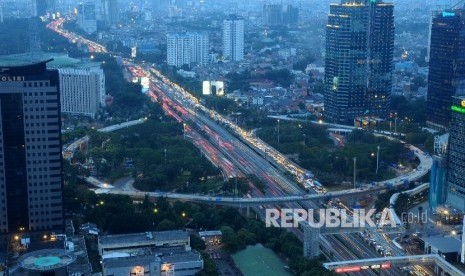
(213, 88)
(145, 83)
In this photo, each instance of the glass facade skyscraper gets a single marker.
(30, 150)
(359, 60)
(456, 153)
(446, 66)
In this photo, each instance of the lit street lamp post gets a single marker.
(278, 131)
(355, 170)
(377, 160)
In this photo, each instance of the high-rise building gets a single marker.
(187, 49)
(30, 150)
(290, 15)
(272, 14)
(82, 91)
(446, 76)
(87, 19)
(110, 11)
(359, 60)
(456, 155)
(278, 15)
(39, 7)
(233, 39)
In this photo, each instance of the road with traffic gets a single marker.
(244, 156)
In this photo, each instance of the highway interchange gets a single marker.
(241, 153)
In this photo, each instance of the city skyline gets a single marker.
(186, 127)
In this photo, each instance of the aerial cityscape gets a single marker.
(225, 137)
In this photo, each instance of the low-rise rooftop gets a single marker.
(129, 261)
(189, 256)
(144, 237)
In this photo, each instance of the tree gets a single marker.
(197, 243)
(165, 225)
(229, 238)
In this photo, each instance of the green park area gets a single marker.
(257, 260)
(331, 158)
(154, 154)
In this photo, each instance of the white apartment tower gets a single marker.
(82, 91)
(187, 48)
(233, 39)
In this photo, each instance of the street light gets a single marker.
(184, 130)
(355, 169)
(165, 156)
(278, 131)
(377, 159)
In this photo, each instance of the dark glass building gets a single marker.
(456, 153)
(446, 66)
(30, 150)
(359, 60)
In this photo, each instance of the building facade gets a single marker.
(233, 39)
(30, 150)
(162, 253)
(187, 49)
(87, 19)
(438, 187)
(39, 7)
(446, 76)
(272, 14)
(82, 91)
(149, 265)
(359, 60)
(110, 11)
(278, 15)
(456, 155)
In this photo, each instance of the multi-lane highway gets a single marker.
(237, 153)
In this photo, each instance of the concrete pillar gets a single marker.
(311, 241)
(248, 211)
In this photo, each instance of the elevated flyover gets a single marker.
(360, 265)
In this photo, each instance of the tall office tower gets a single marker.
(82, 91)
(456, 155)
(87, 19)
(272, 14)
(187, 49)
(446, 76)
(359, 60)
(30, 150)
(110, 11)
(233, 39)
(290, 15)
(39, 7)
